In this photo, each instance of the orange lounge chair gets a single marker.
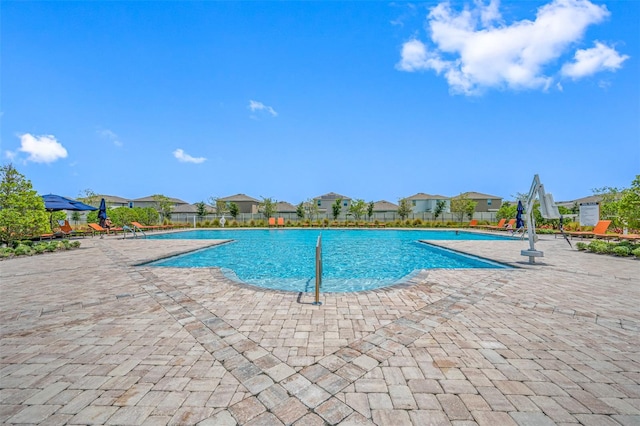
(281, 221)
(629, 237)
(97, 229)
(599, 229)
(68, 231)
(473, 223)
(500, 225)
(145, 227)
(510, 226)
(272, 222)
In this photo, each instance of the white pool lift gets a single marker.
(548, 209)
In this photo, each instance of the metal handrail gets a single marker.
(318, 269)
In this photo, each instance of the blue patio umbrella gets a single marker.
(520, 210)
(55, 203)
(102, 213)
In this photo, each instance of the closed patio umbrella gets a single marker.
(102, 213)
(520, 211)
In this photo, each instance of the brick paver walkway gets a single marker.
(88, 337)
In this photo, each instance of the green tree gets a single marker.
(404, 208)
(358, 208)
(440, 206)
(75, 217)
(22, 212)
(629, 205)
(507, 211)
(463, 205)
(336, 208)
(370, 207)
(87, 196)
(201, 209)
(234, 210)
(267, 207)
(610, 204)
(164, 205)
(300, 211)
(312, 209)
(220, 204)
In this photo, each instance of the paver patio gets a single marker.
(88, 337)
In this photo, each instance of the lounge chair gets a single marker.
(97, 229)
(281, 221)
(68, 231)
(629, 237)
(146, 227)
(473, 223)
(599, 229)
(272, 222)
(500, 225)
(510, 226)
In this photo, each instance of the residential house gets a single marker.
(111, 201)
(324, 202)
(150, 201)
(245, 203)
(421, 202)
(285, 207)
(484, 202)
(187, 212)
(384, 206)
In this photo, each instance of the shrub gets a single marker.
(215, 223)
(234, 223)
(6, 252)
(636, 252)
(600, 247)
(39, 248)
(23, 249)
(621, 251)
(75, 244)
(581, 246)
(417, 222)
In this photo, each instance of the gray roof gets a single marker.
(284, 207)
(384, 206)
(150, 199)
(479, 195)
(239, 198)
(191, 208)
(112, 199)
(589, 199)
(423, 196)
(331, 196)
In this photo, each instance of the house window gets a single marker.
(345, 204)
(319, 202)
(488, 202)
(130, 204)
(413, 202)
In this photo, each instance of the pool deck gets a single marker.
(88, 337)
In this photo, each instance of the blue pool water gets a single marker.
(353, 260)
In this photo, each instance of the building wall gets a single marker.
(486, 205)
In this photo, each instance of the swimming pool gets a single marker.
(353, 260)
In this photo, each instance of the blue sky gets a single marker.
(291, 100)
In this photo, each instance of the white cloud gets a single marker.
(41, 149)
(590, 61)
(183, 157)
(259, 106)
(475, 50)
(108, 134)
